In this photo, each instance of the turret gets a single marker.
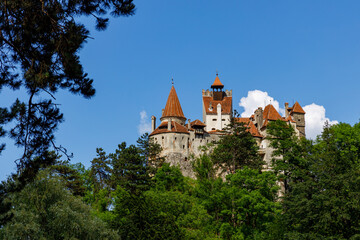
(173, 109)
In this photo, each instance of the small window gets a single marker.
(200, 140)
(223, 120)
(162, 137)
(213, 129)
(185, 159)
(183, 146)
(175, 138)
(214, 119)
(299, 120)
(182, 137)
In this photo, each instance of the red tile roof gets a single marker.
(173, 107)
(197, 122)
(175, 128)
(226, 105)
(217, 83)
(289, 119)
(297, 108)
(251, 127)
(271, 114)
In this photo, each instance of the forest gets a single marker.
(133, 194)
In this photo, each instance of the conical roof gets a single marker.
(297, 108)
(173, 107)
(217, 83)
(270, 113)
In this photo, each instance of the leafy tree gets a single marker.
(169, 178)
(45, 209)
(39, 53)
(250, 204)
(236, 148)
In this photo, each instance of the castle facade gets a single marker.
(181, 138)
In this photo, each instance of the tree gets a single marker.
(151, 151)
(236, 148)
(325, 203)
(45, 209)
(39, 53)
(290, 153)
(100, 171)
(250, 203)
(129, 169)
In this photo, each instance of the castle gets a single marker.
(180, 139)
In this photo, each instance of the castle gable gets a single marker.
(211, 105)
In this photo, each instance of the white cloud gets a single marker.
(145, 123)
(315, 119)
(255, 99)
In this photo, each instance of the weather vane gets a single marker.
(217, 72)
(172, 81)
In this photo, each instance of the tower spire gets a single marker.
(173, 108)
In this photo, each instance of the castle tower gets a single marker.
(298, 114)
(173, 135)
(217, 106)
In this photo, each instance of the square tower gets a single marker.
(217, 106)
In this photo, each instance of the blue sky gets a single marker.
(305, 51)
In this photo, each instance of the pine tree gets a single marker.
(39, 53)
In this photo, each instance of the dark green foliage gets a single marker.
(151, 151)
(237, 148)
(290, 153)
(39, 53)
(100, 170)
(169, 179)
(129, 169)
(322, 202)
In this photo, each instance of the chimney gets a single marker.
(189, 124)
(153, 123)
(169, 124)
(286, 110)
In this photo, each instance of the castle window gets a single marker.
(223, 119)
(175, 138)
(185, 159)
(200, 140)
(183, 146)
(182, 137)
(162, 137)
(214, 119)
(213, 129)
